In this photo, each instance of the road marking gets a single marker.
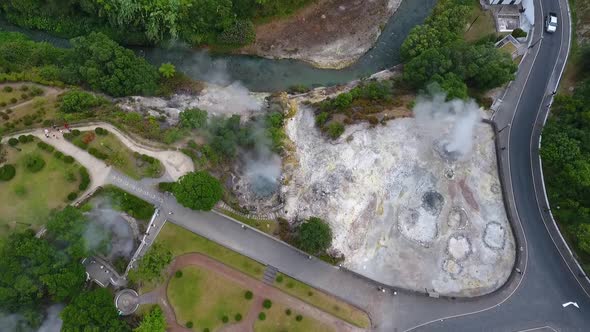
(538, 328)
(570, 303)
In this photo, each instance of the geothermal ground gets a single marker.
(403, 210)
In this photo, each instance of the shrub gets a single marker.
(189, 324)
(101, 131)
(72, 196)
(335, 129)
(34, 163)
(76, 101)
(238, 317)
(76, 132)
(267, 304)
(84, 179)
(7, 89)
(299, 318)
(24, 88)
(206, 329)
(12, 141)
(7, 172)
(58, 154)
(23, 139)
(262, 316)
(24, 96)
(279, 279)
(68, 159)
(46, 147)
(321, 118)
(2, 104)
(81, 145)
(13, 100)
(98, 154)
(288, 312)
(518, 33)
(178, 274)
(248, 295)
(240, 33)
(225, 319)
(166, 186)
(310, 293)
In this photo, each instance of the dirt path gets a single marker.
(327, 34)
(260, 289)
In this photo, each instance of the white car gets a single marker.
(551, 23)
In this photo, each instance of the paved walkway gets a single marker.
(260, 289)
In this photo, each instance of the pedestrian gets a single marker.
(46, 132)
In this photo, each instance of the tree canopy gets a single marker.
(314, 236)
(154, 321)
(151, 264)
(92, 311)
(198, 191)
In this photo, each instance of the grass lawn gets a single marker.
(508, 48)
(205, 297)
(119, 155)
(180, 241)
(480, 23)
(28, 198)
(323, 301)
(277, 320)
(266, 226)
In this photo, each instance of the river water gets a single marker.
(260, 74)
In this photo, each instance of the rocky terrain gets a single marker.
(407, 208)
(328, 34)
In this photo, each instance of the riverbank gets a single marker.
(328, 34)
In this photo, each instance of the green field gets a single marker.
(180, 241)
(481, 24)
(204, 298)
(28, 198)
(277, 320)
(119, 155)
(322, 301)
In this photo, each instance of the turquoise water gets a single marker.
(260, 74)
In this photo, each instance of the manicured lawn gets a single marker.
(118, 155)
(322, 301)
(266, 226)
(278, 321)
(180, 241)
(204, 298)
(483, 24)
(28, 198)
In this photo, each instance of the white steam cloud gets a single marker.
(450, 123)
(52, 322)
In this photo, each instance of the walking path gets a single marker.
(260, 289)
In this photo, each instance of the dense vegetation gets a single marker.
(139, 22)
(436, 52)
(314, 236)
(566, 161)
(94, 61)
(198, 191)
(151, 264)
(34, 271)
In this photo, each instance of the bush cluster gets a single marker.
(98, 154)
(72, 196)
(84, 179)
(101, 131)
(34, 163)
(7, 172)
(46, 147)
(26, 138)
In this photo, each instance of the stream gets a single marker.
(261, 74)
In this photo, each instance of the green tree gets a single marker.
(154, 321)
(314, 236)
(110, 68)
(583, 237)
(167, 70)
(76, 101)
(335, 129)
(198, 191)
(193, 118)
(65, 230)
(151, 264)
(92, 311)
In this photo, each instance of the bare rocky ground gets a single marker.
(327, 34)
(403, 212)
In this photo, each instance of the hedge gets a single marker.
(13, 141)
(68, 159)
(101, 131)
(7, 172)
(84, 179)
(44, 146)
(72, 196)
(58, 154)
(98, 154)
